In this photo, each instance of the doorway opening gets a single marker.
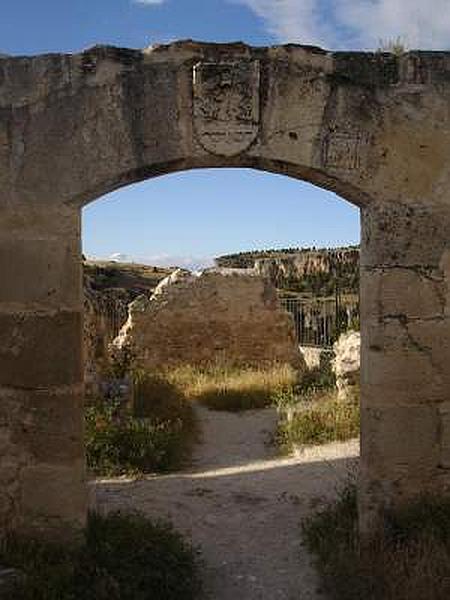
(237, 492)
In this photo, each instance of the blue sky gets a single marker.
(196, 215)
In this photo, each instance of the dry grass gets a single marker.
(320, 420)
(227, 387)
(408, 560)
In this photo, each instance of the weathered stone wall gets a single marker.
(218, 315)
(372, 127)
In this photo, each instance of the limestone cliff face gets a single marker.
(219, 314)
(312, 271)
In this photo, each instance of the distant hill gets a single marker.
(133, 277)
(311, 271)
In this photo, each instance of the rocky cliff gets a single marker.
(308, 271)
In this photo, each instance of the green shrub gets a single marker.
(319, 422)
(408, 560)
(119, 443)
(320, 378)
(121, 557)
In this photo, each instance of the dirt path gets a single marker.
(242, 505)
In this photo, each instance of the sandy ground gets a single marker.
(242, 505)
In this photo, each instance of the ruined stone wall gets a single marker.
(109, 287)
(218, 315)
(372, 127)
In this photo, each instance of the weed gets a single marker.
(318, 379)
(318, 422)
(121, 557)
(119, 443)
(408, 560)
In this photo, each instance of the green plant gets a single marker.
(121, 361)
(409, 558)
(120, 557)
(320, 378)
(119, 443)
(319, 423)
(284, 398)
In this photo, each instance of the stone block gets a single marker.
(53, 496)
(400, 440)
(406, 353)
(47, 425)
(44, 272)
(398, 291)
(417, 235)
(379, 394)
(40, 350)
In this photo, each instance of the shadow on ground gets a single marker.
(242, 505)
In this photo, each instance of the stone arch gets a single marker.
(371, 127)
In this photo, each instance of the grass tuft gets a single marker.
(321, 421)
(408, 560)
(122, 557)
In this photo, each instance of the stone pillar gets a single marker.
(405, 374)
(42, 472)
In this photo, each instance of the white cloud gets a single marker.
(289, 20)
(356, 24)
(419, 23)
(193, 263)
(119, 257)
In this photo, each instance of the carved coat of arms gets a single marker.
(226, 105)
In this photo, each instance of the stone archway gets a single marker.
(371, 127)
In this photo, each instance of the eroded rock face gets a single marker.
(216, 315)
(319, 268)
(104, 313)
(346, 365)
